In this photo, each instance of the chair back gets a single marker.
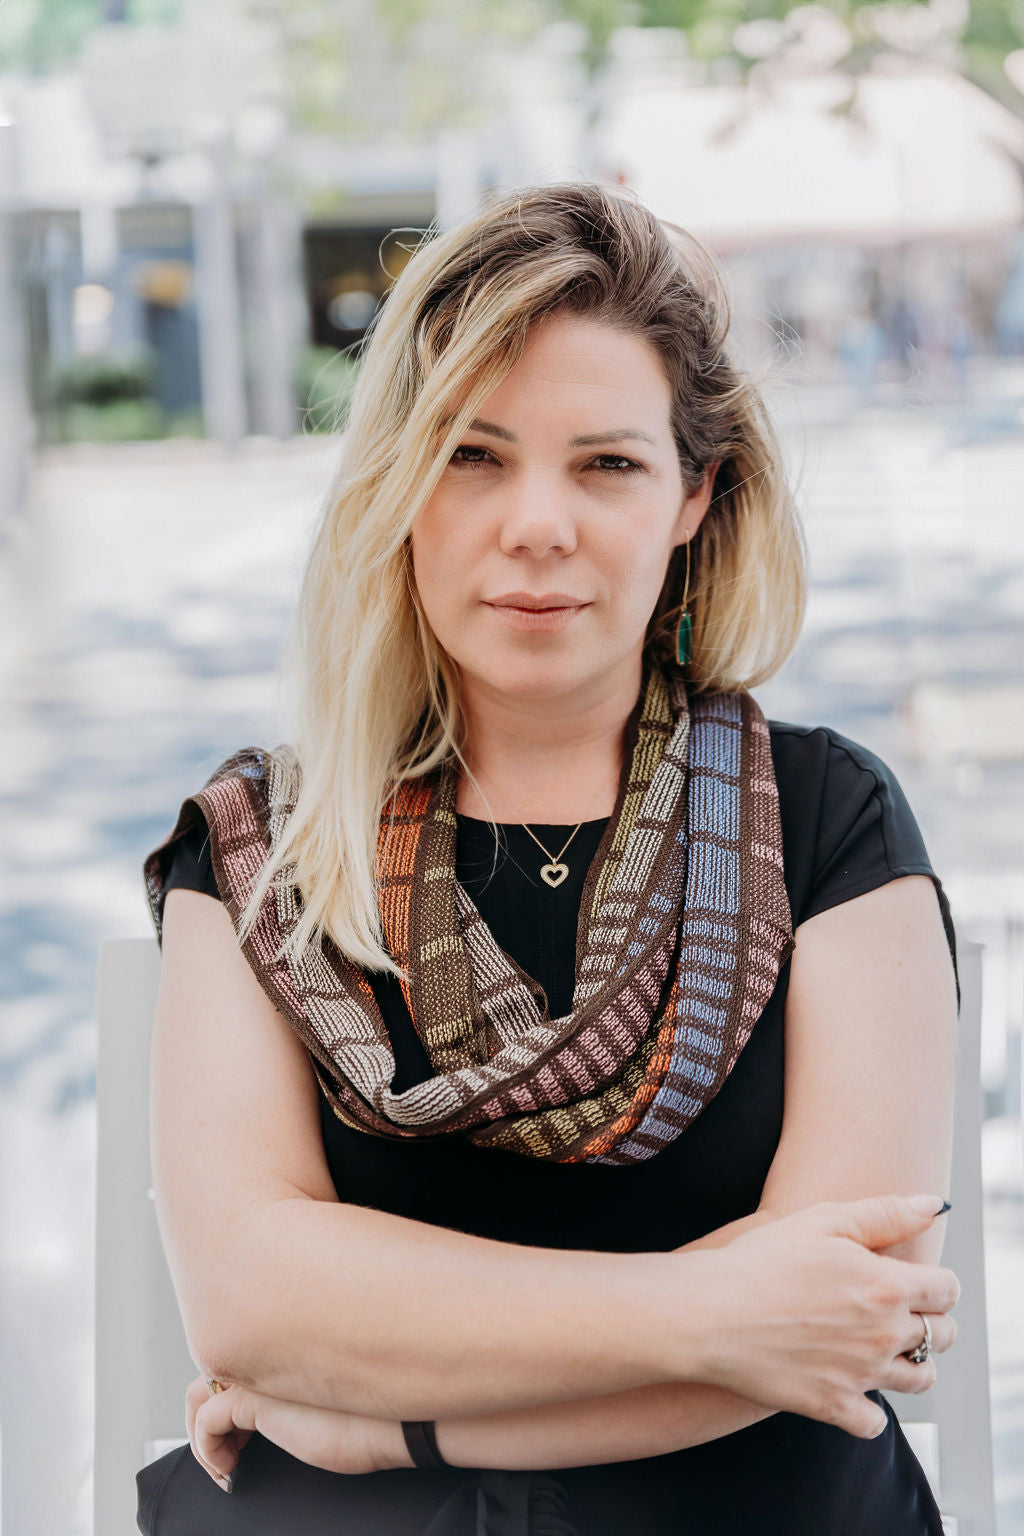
(950, 1427)
(142, 1361)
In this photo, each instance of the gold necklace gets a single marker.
(554, 871)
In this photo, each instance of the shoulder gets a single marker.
(265, 778)
(249, 764)
(237, 787)
(816, 764)
(222, 829)
(806, 752)
(847, 825)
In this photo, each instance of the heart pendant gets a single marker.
(554, 874)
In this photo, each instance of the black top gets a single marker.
(846, 829)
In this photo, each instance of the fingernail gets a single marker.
(945, 1207)
(227, 1483)
(927, 1205)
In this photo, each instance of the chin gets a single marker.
(536, 677)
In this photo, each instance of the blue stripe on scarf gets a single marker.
(712, 883)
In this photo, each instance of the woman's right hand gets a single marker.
(807, 1318)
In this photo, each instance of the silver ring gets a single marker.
(919, 1355)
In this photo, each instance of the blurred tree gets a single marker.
(40, 35)
(974, 36)
(388, 68)
(393, 66)
(36, 37)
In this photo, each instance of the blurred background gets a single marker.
(201, 207)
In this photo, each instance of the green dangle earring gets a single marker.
(684, 629)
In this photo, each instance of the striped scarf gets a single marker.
(684, 925)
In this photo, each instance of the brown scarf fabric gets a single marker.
(683, 927)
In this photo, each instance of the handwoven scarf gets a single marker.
(684, 924)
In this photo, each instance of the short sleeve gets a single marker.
(847, 825)
(227, 816)
(191, 864)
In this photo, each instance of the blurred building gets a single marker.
(194, 236)
(877, 216)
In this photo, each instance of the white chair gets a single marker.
(950, 1427)
(142, 1361)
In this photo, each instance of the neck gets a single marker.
(555, 761)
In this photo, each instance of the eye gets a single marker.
(469, 456)
(617, 464)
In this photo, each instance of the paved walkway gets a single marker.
(144, 599)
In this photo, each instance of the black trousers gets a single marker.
(275, 1494)
(785, 1476)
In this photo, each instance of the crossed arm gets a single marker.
(365, 1313)
(649, 1420)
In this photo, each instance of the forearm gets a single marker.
(372, 1313)
(646, 1421)
(721, 1237)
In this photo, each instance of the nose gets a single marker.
(536, 518)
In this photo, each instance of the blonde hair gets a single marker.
(376, 698)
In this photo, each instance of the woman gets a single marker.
(542, 896)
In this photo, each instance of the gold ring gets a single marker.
(215, 1386)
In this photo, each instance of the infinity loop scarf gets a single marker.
(684, 925)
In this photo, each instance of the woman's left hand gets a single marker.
(220, 1424)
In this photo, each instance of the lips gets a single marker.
(537, 612)
(535, 603)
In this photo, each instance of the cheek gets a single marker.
(446, 537)
(429, 547)
(636, 564)
(442, 565)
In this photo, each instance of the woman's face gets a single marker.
(540, 556)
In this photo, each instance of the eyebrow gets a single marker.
(589, 440)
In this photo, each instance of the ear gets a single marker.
(695, 506)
